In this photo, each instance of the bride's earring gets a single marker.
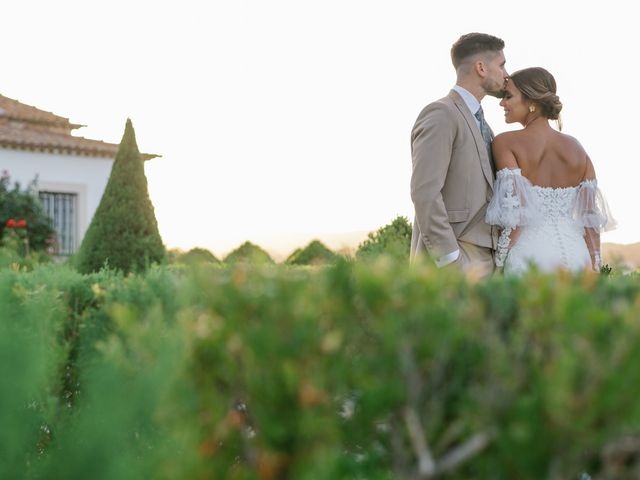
(532, 108)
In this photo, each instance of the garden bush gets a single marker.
(248, 253)
(316, 253)
(360, 370)
(196, 256)
(393, 240)
(123, 233)
(23, 218)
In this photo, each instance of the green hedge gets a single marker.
(315, 253)
(248, 253)
(371, 371)
(196, 256)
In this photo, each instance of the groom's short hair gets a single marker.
(472, 44)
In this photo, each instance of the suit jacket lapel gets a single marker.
(485, 163)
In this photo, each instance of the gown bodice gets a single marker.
(555, 226)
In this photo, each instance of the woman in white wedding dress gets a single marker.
(546, 199)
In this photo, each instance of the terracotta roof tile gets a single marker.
(15, 110)
(29, 128)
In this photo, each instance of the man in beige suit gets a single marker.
(453, 172)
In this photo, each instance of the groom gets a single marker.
(453, 171)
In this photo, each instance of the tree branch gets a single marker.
(426, 464)
(464, 452)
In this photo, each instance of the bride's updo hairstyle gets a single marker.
(539, 86)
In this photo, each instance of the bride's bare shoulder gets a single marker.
(575, 156)
(508, 136)
(503, 147)
(571, 145)
(507, 139)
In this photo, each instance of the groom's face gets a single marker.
(495, 74)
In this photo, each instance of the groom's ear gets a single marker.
(480, 68)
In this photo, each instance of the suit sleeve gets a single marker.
(431, 148)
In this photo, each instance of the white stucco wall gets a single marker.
(85, 176)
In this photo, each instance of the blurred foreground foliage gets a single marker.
(15, 253)
(357, 370)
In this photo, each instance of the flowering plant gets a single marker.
(13, 223)
(22, 214)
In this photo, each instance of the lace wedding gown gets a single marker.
(546, 227)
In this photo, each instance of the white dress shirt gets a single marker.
(470, 100)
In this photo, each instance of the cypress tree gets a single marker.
(124, 232)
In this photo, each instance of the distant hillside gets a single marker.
(615, 253)
(281, 247)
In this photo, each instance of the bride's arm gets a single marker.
(504, 157)
(506, 240)
(592, 235)
(592, 239)
(514, 204)
(591, 211)
(515, 233)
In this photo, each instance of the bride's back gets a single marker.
(549, 158)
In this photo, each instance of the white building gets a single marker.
(72, 171)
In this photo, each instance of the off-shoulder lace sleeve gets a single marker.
(591, 211)
(513, 204)
(590, 208)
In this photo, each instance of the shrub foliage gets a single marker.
(393, 240)
(196, 256)
(316, 253)
(358, 370)
(23, 204)
(248, 253)
(123, 233)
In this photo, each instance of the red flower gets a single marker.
(21, 223)
(11, 223)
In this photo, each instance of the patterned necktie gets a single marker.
(486, 136)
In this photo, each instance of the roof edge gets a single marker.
(51, 148)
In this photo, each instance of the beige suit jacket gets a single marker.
(452, 179)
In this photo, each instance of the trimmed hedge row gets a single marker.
(371, 371)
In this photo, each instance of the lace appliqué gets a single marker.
(503, 246)
(597, 262)
(509, 215)
(513, 204)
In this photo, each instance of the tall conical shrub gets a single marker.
(123, 233)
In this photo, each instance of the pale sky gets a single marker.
(280, 121)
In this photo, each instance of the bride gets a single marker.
(546, 199)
